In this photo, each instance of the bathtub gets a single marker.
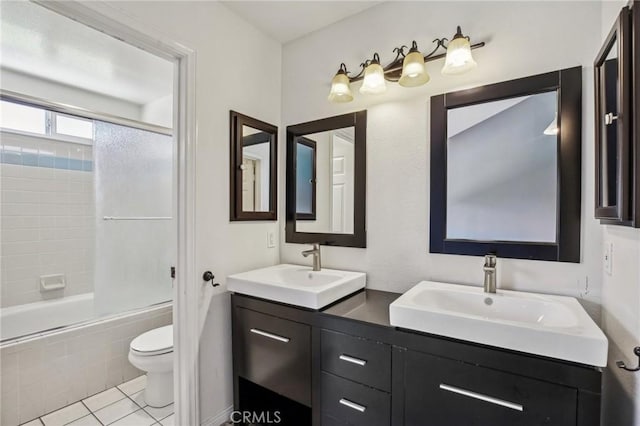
(54, 353)
(42, 317)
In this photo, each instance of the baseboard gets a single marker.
(219, 419)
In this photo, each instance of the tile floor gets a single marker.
(122, 405)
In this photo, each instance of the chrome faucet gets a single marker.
(490, 273)
(315, 251)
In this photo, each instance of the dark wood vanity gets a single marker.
(346, 365)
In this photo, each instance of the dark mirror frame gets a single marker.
(568, 84)
(359, 237)
(622, 212)
(236, 213)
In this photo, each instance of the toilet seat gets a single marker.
(154, 342)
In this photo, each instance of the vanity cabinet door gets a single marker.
(443, 392)
(274, 353)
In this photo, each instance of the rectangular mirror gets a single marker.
(612, 74)
(326, 181)
(505, 169)
(253, 169)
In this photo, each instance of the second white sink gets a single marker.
(297, 285)
(547, 325)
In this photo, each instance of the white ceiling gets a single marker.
(41, 43)
(288, 20)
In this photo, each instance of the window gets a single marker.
(32, 120)
(22, 118)
(73, 126)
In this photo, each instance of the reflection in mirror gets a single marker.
(305, 179)
(502, 170)
(609, 130)
(325, 182)
(255, 169)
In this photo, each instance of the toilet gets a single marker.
(152, 352)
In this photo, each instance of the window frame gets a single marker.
(50, 126)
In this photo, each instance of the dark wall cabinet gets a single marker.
(617, 112)
(321, 369)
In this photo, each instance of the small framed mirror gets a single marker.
(612, 74)
(326, 181)
(505, 169)
(253, 169)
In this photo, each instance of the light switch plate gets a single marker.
(271, 239)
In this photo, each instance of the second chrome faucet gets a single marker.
(315, 251)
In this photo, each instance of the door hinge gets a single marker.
(173, 272)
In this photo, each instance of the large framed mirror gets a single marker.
(253, 169)
(326, 181)
(505, 169)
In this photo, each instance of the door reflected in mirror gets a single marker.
(502, 170)
(256, 171)
(325, 182)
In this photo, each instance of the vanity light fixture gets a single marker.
(459, 58)
(340, 90)
(373, 83)
(407, 70)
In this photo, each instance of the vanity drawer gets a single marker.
(274, 353)
(357, 359)
(354, 404)
(442, 392)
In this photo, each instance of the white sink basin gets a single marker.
(552, 326)
(297, 285)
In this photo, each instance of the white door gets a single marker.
(342, 177)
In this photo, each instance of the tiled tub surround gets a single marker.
(43, 374)
(47, 217)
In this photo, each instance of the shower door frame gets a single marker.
(111, 21)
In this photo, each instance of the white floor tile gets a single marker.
(138, 418)
(65, 415)
(160, 413)
(89, 420)
(103, 399)
(35, 422)
(116, 411)
(138, 398)
(133, 386)
(169, 421)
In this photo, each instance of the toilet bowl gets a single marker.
(152, 352)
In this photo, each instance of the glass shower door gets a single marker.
(135, 218)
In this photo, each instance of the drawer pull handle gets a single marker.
(270, 335)
(481, 397)
(360, 362)
(353, 405)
